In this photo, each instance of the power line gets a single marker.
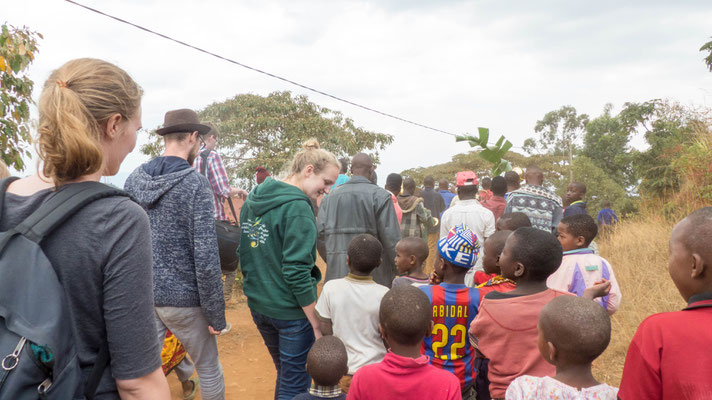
(261, 71)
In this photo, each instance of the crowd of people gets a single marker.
(487, 292)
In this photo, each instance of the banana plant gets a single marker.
(492, 153)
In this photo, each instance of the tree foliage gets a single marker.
(17, 50)
(708, 48)
(605, 143)
(268, 131)
(559, 134)
(491, 153)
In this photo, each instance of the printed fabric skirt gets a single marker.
(173, 352)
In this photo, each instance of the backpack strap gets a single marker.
(102, 360)
(204, 162)
(58, 208)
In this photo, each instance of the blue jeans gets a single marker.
(288, 343)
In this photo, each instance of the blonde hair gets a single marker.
(4, 172)
(76, 102)
(313, 155)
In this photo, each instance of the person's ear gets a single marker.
(497, 261)
(413, 259)
(308, 170)
(580, 241)
(519, 270)
(698, 266)
(348, 261)
(380, 261)
(553, 353)
(112, 127)
(430, 329)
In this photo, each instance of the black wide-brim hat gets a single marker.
(183, 120)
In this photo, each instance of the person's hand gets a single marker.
(434, 279)
(213, 331)
(599, 289)
(239, 193)
(222, 332)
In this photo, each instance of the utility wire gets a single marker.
(261, 71)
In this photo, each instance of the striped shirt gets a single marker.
(454, 308)
(215, 172)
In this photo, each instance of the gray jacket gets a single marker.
(358, 206)
(186, 262)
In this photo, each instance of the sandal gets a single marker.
(194, 391)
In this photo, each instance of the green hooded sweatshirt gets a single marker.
(278, 250)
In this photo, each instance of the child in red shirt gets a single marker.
(404, 374)
(505, 329)
(670, 356)
(490, 262)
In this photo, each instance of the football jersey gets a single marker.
(454, 308)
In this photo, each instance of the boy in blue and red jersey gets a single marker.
(454, 307)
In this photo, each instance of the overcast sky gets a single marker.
(454, 65)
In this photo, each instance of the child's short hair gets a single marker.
(579, 328)
(514, 221)
(539, 251)
(364, 253)
(699, 234)
(327, 361)
(409, 185)
(499, 186)
(394, 181)
(581, 225)
(405, 315)
(415, 246)
(581, 187)
(498, 239)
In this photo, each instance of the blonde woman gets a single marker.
(278, 256)
(90, 111)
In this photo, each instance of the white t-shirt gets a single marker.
(477, 218)
(352, 305)
(533, 388)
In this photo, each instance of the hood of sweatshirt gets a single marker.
(271, 194)
(408, 203)
(153, 179)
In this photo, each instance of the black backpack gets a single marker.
(38, 356)
(228, 233)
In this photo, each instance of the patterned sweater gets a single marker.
(186, 262)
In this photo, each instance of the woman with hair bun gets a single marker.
(90, 111)
(278, 261)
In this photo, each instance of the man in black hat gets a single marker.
(187, 285)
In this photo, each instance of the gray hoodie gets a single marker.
(186, 262)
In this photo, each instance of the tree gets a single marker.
(17, 50)
(708, 48)
(492, 153)
(559, 132)
(606, 144)
(268, 131)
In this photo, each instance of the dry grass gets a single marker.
(638, 253)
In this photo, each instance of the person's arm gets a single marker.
(489, 227)
(207, 258)
(298, 245)
(388, 230)
(153, 386)
(220, 183)
(323, 311)
(321, 228)
(556, 217)
(325, 326)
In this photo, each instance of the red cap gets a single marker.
(466, 178)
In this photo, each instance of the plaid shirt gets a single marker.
(217, 177)
(416, 222)
(327, 392)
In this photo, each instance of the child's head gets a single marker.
(606, 204)
(457, 252)
(364, 254)
(405, 316)
(429, 182)
(690, 262)
(393, 183)
(499, 186)
(573, 331)
(486, 183)
(408, 186)
(575, 191)
(530, 254)
(493, 248)
(512, 221)
(327, 361)
(444, 184)
(576, 231)
(411, 253)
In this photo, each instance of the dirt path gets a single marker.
(248, 368)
